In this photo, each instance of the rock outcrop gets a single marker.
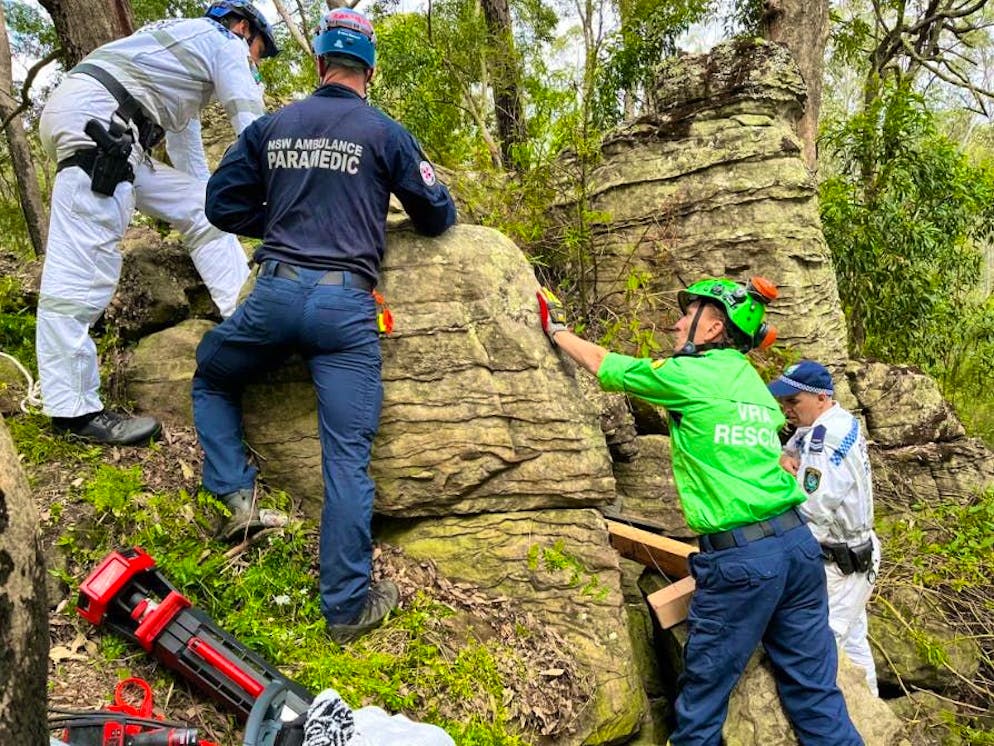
(712, 184)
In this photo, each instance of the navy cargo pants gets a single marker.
(334, 328)
(772, 591)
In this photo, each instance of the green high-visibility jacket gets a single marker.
(723, 434)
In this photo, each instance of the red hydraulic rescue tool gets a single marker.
(128, 594)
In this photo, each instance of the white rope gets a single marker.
(31, 403)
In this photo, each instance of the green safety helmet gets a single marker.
(745, 306)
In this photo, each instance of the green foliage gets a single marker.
(648, 33)
(949, 544)
(556, 559)
(425, 73)
(901, 219)
(30, 31)
(36, 444)
(111, 488)
(17, 323)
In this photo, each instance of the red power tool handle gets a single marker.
(205, 651)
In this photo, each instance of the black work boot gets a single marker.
(110, 428)
(382, 598)
(247, 517)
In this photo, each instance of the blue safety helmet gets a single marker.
(244, 9)
(347, 33)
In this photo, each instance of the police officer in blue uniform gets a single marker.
(313, 181)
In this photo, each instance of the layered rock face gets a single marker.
(712, 184)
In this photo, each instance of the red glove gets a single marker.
(552, 313)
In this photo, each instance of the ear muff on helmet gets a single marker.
(764, 337)
(344, 32)
(247, 11)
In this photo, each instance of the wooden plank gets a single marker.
(671, 604)
(657, 552)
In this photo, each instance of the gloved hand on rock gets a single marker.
(552, 314)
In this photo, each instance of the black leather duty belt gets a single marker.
(82, 158)
(751, 532)
(331, 277)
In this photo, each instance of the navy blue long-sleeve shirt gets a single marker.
(313, 181)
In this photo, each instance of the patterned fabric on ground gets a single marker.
(329, 721)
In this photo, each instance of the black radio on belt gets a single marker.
(849, 559)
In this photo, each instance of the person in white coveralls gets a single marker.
(828, 454)
(100, 125)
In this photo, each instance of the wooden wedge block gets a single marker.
(652, 550)
(671, 604)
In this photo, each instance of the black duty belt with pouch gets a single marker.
(849, 559)
(106, 164)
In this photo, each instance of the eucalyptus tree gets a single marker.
(23, 607)
(32, 206)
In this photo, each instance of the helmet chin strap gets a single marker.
(690, 347)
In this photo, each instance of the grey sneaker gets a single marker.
(110, 428)
(382, 598)
(247, 517)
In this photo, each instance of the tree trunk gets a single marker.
(23, 609)
(20, 151)
(802, 25)
(506, 74)
(83, 25)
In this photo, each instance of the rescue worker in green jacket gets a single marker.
(759, 571)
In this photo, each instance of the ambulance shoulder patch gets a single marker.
(427, 173)
(811, 479)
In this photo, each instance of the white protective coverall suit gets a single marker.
(834, 473)
(173, 68)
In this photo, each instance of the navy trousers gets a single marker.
(334, 328)
(771, 591)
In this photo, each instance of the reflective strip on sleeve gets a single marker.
(237, 106)
(71, 308)
(193, 66)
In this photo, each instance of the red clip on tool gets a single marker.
(127, 724)
(121, 698)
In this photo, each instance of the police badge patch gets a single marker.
(811, 480)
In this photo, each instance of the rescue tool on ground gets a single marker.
(128, 594)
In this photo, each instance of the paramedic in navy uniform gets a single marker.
(313, 181)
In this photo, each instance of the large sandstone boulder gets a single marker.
(756, 718)
(478, 414)
(162, 368)
(558, 566)
(159, 286)
(902, 406)
(713, 183)
(646, 490)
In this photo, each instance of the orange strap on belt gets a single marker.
(384, 319)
